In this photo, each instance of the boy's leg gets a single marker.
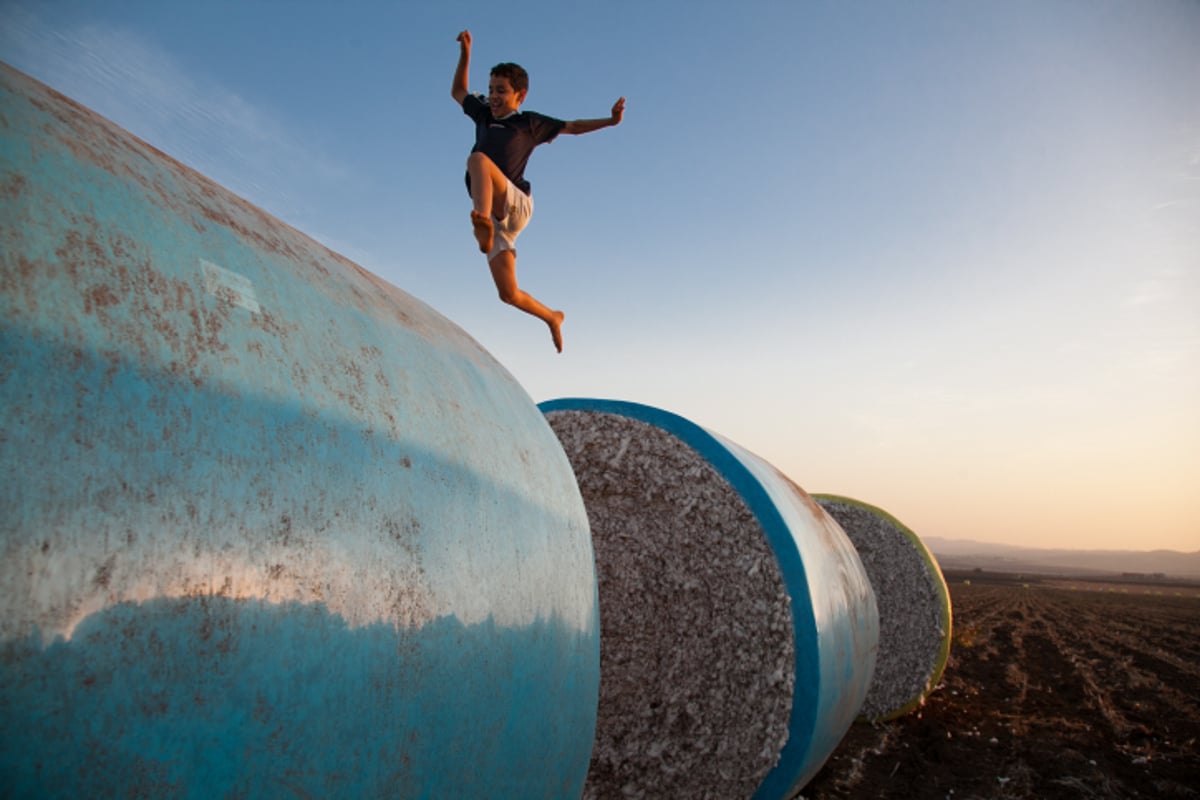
(489, 188)
(504, 273)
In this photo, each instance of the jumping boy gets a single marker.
(505, 136)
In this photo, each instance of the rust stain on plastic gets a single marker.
(205, 205)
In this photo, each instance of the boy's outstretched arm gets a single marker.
(578, 126)
(458, 89)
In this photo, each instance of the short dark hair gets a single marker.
(518, 78)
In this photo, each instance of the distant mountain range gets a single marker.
(965, 554)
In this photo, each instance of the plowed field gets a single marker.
(1053, 690)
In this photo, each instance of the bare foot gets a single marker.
(483, 231)
(556, 329)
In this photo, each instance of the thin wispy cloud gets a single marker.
(143, 88)
(1164, 286)
(1147, 292)
(1193, 160)
(1182, 183)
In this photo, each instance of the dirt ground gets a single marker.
(1053, 690)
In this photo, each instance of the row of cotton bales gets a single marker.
(273, 527)
(744, 625)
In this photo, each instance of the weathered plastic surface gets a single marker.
(270, 526)
(835, 620)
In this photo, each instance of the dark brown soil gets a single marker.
(1053, 690)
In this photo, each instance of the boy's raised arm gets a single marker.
(578, 126)
(458, 89)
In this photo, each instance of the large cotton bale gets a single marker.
(271, 527)
(914, 606)
(738, 629)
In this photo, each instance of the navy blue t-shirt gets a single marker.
(509, 142)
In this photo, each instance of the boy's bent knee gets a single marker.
(478, 159)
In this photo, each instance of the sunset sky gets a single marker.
(940, 257)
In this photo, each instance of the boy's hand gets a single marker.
(578, 126)
(458, 89)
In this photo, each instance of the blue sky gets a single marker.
(942, 257)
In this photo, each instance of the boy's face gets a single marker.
(501, 97)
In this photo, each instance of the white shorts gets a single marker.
(504, 231)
